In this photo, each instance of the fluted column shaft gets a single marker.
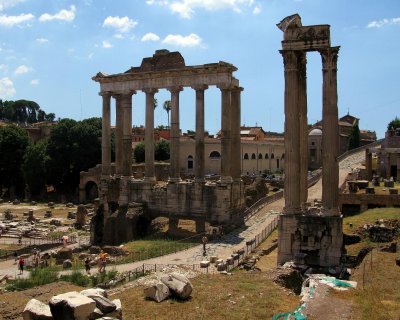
(226, 176)
(199, 152)
(174, 150)
(149, 136)
(118, 133)
(292, 133)
(126, 105)
(235, 133)
(302, 63)
(330, 136)
(105, 135)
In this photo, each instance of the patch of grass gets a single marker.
(239, 296)
(77, 277)
(380, 297)
(369, 216)
(36, 278)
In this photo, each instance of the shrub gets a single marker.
(76, 277)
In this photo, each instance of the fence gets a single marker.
(261, 203)
(27, 244)
(356, 150)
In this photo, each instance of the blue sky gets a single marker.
(50, 49)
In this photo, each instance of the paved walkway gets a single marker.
(223, 248)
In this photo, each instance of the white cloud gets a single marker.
(63, 15)
(186, 8)
(150, 36)
(6, 87)
(383, 22)
(257, 10)
(34, 82)
(3, 67)
(42, 40)
(158, 2)
(106, 44)
(10, 21)
(192, 40)
(123, 24)
(22, 69)
(118, 36)
(4, 4)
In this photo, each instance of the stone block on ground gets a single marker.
(213, 259)
(94, 292)
(63, 254)
(204, 264)
(104, 304)
(178, 284)
(71, 305)
(67, 264)
(157, 292)
(36, 310)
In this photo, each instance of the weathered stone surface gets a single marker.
(114, 251)
(63, 254)
(104, 304)
(81, 214)
(179, 284)
(71, 305)
(204, 264)
(94, 249)
(94, 292)
(157, 292)
(398, 261)
(36, 310)
(390, 248)
(221, 266)
(67, 264)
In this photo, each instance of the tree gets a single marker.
(13, 143)
(161, 150)
(139, 152)
(155, 103)
(167, 107)
(34, 167)
(354, 138)
(394, 124)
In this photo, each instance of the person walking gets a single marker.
(21, 264)
(87, 265)
(204, 240)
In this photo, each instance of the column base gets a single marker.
(200, 180)
(292, 210)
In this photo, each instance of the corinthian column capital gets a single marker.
(290, 60)
(175, 89)
(329, 58)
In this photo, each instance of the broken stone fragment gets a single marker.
(157, 292)
(71, 305)
(178, 284)
(36, 310)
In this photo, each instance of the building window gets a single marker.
(272, 156)
(277, 163)
(283, 156)
(246, 156)
(260, 156)
(266, 156)
(190, 162)
(253, 156)
(215, 155)
(313, 143)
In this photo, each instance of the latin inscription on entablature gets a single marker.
(307, 38)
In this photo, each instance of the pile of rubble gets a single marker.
(381, 231)
(87, 304)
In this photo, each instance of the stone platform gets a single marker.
(313, 240)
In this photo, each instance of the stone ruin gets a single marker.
(312, 237)
(219, 203)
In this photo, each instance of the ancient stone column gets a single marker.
(149, 136)
(199, 152)
(226, 176)
(235, 133)
(330, 136)
(106, 136)
(126, 105)
(174, 147)
(368, 164)
(292, 133)
(302, 87)
(118, 133)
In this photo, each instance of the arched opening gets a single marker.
(266, 156)
(260, 156)
(272, 156)
(253, 156)
(246, 156)
(92, 191)
(190, 162)
(277, 163)
(215, 155)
